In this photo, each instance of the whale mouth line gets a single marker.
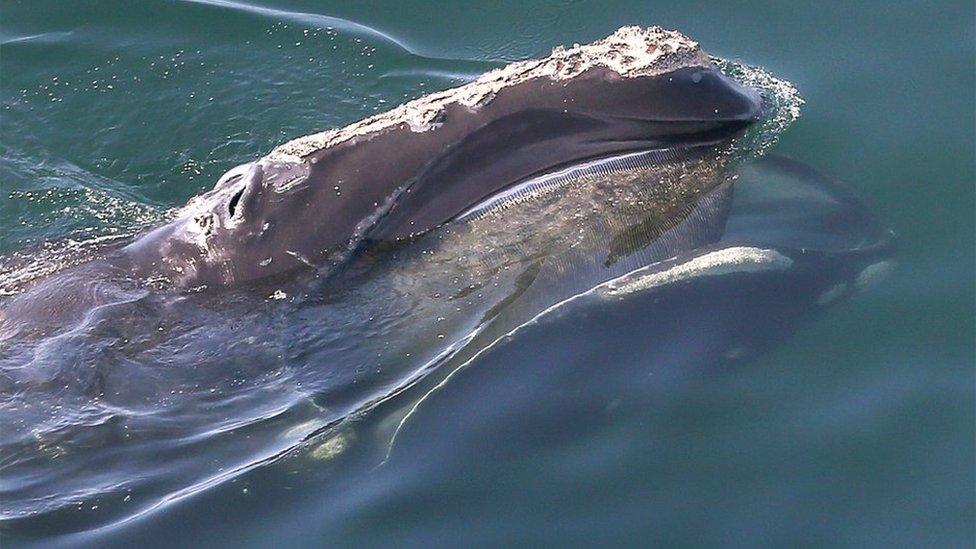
(561, 176)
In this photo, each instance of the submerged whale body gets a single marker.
(217, 386)
(404, 172)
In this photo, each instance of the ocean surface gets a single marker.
(827, 403)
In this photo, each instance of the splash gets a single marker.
(781, 103)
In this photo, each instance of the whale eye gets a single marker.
(234, 201)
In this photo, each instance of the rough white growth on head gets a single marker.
(740, 259)
(630, 52)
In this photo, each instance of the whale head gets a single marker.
(391, 177)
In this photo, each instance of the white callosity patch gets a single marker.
(331, 448)
(740, 259)
(874, 273)
(202, 221)
(630, 52)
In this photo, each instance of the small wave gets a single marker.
(91, 212)
(468, 68)
(42, 38)
(311, 19)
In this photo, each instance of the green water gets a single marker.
(859, 430)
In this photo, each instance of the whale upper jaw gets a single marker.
(630, 52)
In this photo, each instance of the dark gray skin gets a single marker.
(272, 217)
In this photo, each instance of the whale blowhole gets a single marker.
(234, 201)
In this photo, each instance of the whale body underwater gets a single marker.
(609, 184)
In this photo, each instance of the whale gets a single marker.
(314, 201)
(446, 227)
